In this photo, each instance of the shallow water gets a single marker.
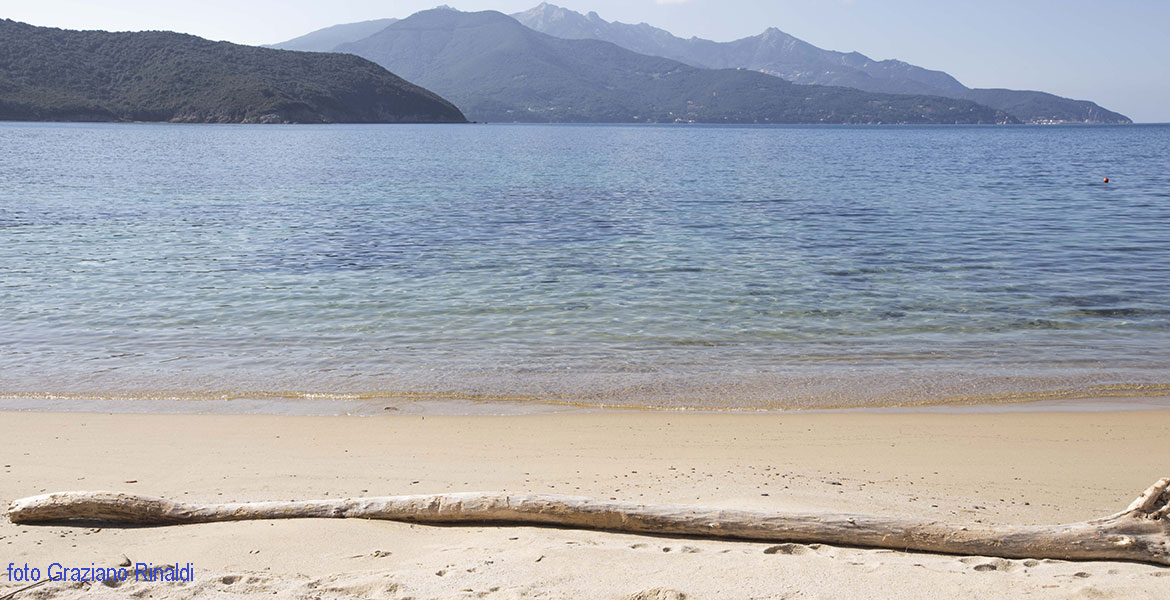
(672, 266)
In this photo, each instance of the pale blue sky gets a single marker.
(1114, 52)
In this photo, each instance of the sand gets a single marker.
(1006, 468)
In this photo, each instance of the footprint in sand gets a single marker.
(788, 549)
(998, 564)
(112, 582)
(658, 594)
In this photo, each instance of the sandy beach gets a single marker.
(1029, 468)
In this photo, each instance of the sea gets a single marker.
(359, 269)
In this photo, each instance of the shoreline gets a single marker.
(1018, 468)
(470, 406)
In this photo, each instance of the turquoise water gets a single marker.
(603, 265)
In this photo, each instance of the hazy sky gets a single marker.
(1114, 52)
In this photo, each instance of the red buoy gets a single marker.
(1106, 180)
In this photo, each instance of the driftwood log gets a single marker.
(1139, 533)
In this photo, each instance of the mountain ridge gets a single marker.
(840, 68)
(496, 69)
(778, 53)
(328, 38)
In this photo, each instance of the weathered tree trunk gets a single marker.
(1139, 533)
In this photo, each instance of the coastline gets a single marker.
(1015, 468)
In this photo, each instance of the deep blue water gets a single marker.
(656, 265)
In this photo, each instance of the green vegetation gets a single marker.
(58, 75)
(496, 69)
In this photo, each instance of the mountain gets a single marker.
(51, 74)
(777, 53)
(773, 52)
(328, 39)
(496, 69)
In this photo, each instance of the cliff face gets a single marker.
(51, 74)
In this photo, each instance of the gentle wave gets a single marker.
(374, 402)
